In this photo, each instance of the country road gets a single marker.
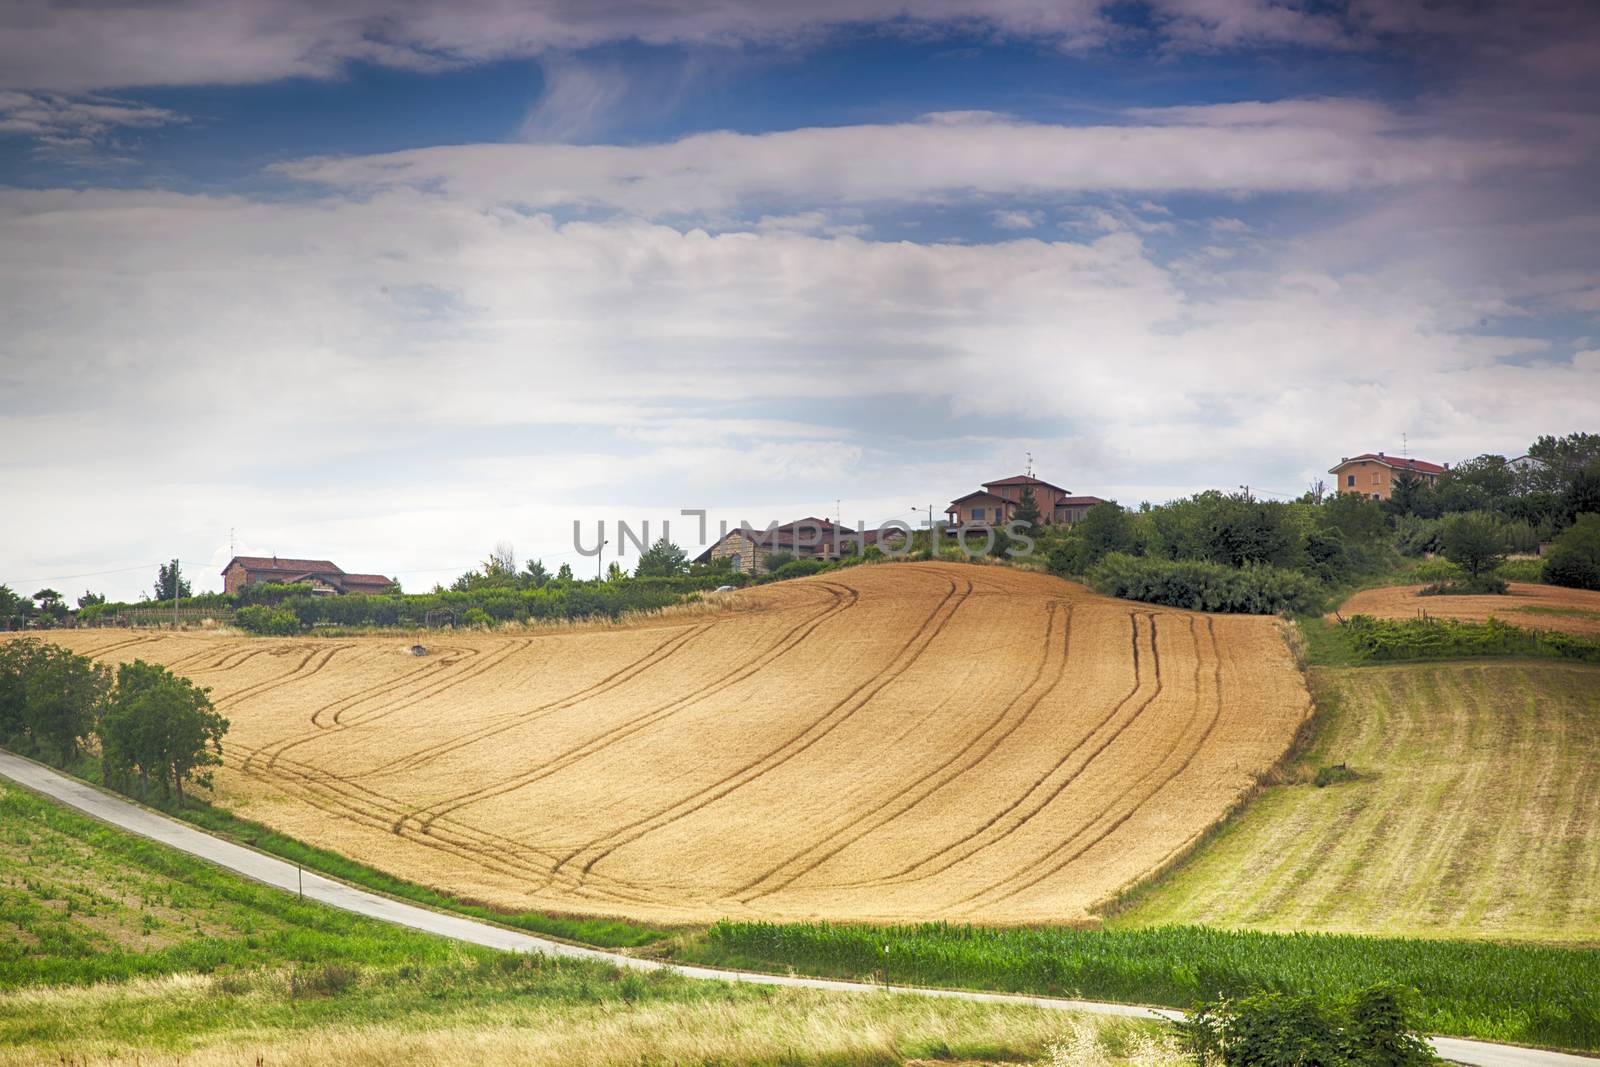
(271, 871)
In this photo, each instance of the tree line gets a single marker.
(154, 733)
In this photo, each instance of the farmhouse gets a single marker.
(995, 503)
(323, 576)
(808, 538)
(1373, 474)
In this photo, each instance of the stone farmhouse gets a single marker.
(808, 538)
(324, 577)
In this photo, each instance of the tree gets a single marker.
(1559, 459)
(662, 560)
(1358, 519)
(1410, 495)
(502, 562)
(1574, 559)
(50, 605)
(614, 572)
(170, 582)
(1105, 528)
(1480, 484)
(536, 573)
(564, 574)
(1026, 513)
(161, 726)
(50, 698)
(1583, 493)
(1475, 543)
(89, 600)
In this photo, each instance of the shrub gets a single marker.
(276, 622)
(1257, 590)
(1378, 1025)
(795, 568)
(1428, 638)
(477, 617)
(1574, 559)
(1475, 543)
(1483, 584)
(1521, 570)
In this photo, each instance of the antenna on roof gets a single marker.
(1030, 463)
(230, 543)
(1405, 445)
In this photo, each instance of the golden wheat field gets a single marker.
(1542, 607)
(914, 741)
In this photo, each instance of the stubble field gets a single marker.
(905, 742)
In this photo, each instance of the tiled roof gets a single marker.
(1024, 479)
(273, 563)
(979, 493)
(1399, 463)
(1078, 501)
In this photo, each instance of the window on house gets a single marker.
(977, 514)
(1350, 479)
(1377, 477)
(737, 567)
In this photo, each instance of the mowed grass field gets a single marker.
(896, 742)
(1541, 607)
(1475, 813)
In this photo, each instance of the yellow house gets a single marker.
(1373, 474)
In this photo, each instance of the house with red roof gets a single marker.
(1373, 474)
(323, 576)
(997, 501)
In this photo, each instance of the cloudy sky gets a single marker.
(390, 282)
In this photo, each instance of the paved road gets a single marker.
(275, 872)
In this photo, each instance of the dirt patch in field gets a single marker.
(1539, 607)
(894, 742)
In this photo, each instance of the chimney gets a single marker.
(1380, 455)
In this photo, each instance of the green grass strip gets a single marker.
(1516, 993)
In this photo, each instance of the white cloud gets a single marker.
(51, 44)
(1015, 220)
(603, 368)
(1238, 148)
(76, 126)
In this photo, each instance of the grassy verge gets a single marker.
(1527, 994)
(604, 933)
(117, 950)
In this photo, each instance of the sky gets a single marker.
(391, 283)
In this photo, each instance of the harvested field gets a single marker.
(1474, 812)
(909, 741)
(1530, 605)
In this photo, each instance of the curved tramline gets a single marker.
(908, 741)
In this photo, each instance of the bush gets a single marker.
(1521, 570)
(1256, 590)
(1483, 584)
(795, 568)
(1574, 559)
(477, 617)
(275, 622)
(1376, 1027)
(1428, 638)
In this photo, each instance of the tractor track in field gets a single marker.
(840, 602)
(837, 839)
(1028, 878)
(908, 655)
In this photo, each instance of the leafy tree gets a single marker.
(1559, 460)
(614, 572)
(161, 726)
(10, 605)
(1358, 519)
(1410, 495)
(170, 582)
(1479, 484)
(89, 600)
(1574, 559)
(48, 599)
(50, 698)
(1107, 527)
(564, 574)
(1475, 543)
(1026, 513)
(536, 573)
(662, 560)
(778, 559)
(1583, 493)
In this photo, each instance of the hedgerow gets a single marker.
(1256, 589)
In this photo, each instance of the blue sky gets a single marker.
(392, 284)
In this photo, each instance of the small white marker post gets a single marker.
(300, 879)
(886, 966)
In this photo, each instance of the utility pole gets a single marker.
(599, 559)
(174, 595)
